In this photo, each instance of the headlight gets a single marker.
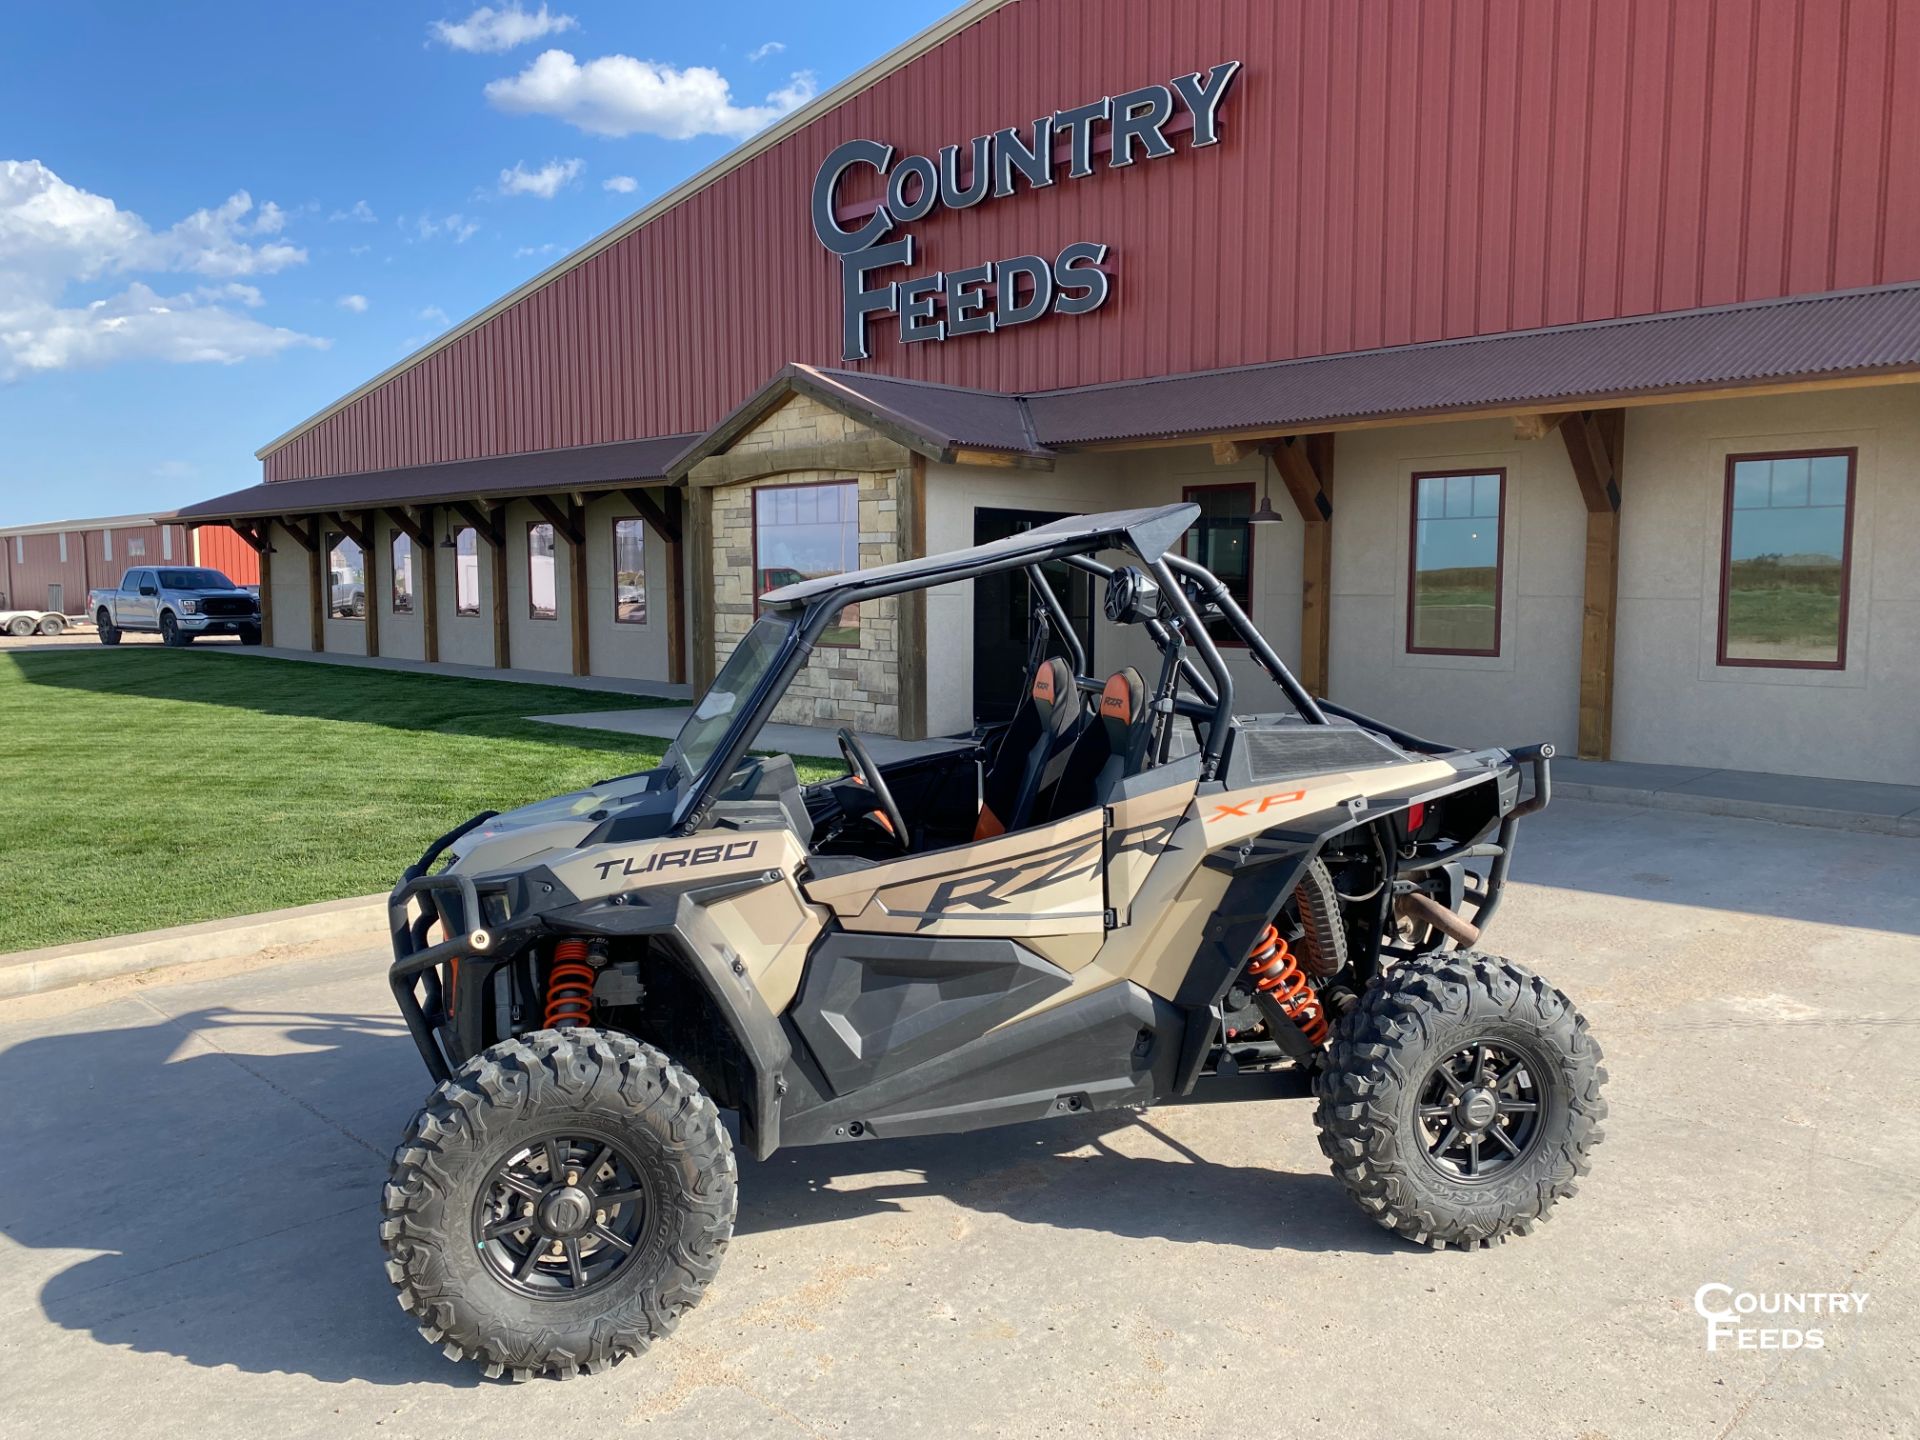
(190, 607)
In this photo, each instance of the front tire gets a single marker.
(596, 1142)
(171, 634)
(250, 635)
(1460, 1100)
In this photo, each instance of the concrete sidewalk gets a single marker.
(1794, 799)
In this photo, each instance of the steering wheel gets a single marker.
(886, 813)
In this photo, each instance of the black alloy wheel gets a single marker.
(563, 1217)
(1480, 1110)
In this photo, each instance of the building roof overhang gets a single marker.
(585, 468)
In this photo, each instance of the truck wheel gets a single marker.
(558, 1204)
(170, 631)
(109, 632)
(1460, 1100)
(53, 624)
(22, 626)
(250, 635)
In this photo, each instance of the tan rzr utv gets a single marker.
(1124, 891)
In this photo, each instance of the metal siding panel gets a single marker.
(1389, 172)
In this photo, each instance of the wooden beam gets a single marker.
(351, 528)
(305, 536)
(1232, 452)
(370, 579)
(1594, 466)
(489, 523)
(266, 582)
(496, 530)
(319, 593)
(1538, 427)
(566, 523)
(248, 531)
(1305, 463)
(577, 585)
(407, 523)
(998, 459)
(427, 575)
(1594, 446)
(662, 517)
(1303, 483)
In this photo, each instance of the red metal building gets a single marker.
(1309, 196)
(51, 567)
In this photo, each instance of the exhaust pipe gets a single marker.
(1425, 909)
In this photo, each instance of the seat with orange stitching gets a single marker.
(1109, 750)
(1033, 752)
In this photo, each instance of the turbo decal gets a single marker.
(684, 858)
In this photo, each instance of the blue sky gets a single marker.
(215, 218)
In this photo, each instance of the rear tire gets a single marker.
(109, 632)
(1460, 1100)
(53, 624)
(466, 1163)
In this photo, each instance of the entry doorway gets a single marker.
(1002, 609)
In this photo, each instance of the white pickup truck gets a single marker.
(181, 602)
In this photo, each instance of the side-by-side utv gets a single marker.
(1125, 890)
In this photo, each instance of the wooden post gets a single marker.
(1594, 439)
(428, 573)
(699, 532)
(266, 582)
(910, 624)
(1305, 464)
(577, 574)
(370, 578)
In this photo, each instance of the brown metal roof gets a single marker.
(1846, 333)
(586, 467)
(948, 416)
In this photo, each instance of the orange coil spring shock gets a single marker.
(1275, 972)
(569, 986)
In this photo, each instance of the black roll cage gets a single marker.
(1175, 575)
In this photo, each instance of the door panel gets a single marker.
(1046, 880)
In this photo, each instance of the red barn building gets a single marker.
(52, 566)
(1573, 343)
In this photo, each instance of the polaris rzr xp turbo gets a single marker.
(1123, 891)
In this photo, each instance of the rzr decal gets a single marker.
(1149, 839)
(992, 889)
(686, 857)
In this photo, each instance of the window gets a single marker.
(402, 573)
(542, 598)
(347, 574)
(166, 542)
(136, 546)
(1453, 591)
(1784, 560)
(630, 572)
(1222, 540)
(466, 571)
(801, 532)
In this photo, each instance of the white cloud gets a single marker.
(456, 227)
(546, 182)
(356, 303)
(525, 250)
(358, 249)
(435, 315)
(174, 470)
(360, 213)
(619, 95)
(760, 52)
(489, 31)
(620, 184)
(55, 236)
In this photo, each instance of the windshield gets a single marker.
(195, 580)
(706, 728)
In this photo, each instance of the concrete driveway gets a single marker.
(187, 1213)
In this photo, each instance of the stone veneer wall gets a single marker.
(858, 686)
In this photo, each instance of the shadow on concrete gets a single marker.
(232, 1196)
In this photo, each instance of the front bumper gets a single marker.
(217, 624)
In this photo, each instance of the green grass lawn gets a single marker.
(142, 787)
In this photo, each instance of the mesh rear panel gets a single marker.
(1312, 749)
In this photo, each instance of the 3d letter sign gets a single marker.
(986, 297)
